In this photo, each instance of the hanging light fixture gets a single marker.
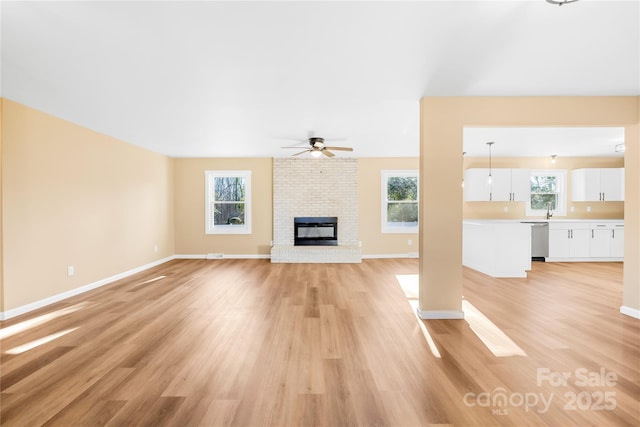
(561, 2)
(553, 158)
(489, 178)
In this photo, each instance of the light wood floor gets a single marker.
(250, 343)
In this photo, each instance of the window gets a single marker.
(228, 202)
(547, 192)
(399, 201)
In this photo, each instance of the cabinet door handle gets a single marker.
(592, 234)
(613, 234)
(568, 234)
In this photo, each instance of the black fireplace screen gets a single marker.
(315, 231)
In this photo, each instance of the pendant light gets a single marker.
(489, 178)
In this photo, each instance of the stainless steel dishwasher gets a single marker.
(539, 239)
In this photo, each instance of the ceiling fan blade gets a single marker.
(340, 148)
(298, 147)
(327, 153)
(302, 152)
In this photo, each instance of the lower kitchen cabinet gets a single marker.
(569, 240)
(617, 241)
(586, 241)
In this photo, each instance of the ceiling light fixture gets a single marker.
(553, 158)
(316, 153)
(561, 2)
(489, 178)
(620, 148)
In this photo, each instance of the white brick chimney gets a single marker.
(315, 187)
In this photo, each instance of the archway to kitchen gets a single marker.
(442, 122)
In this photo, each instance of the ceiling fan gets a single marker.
(318, 148)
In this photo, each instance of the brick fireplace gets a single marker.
(309, 187)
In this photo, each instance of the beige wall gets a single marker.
(632, 215)
(72, 196)
(1, 215)
(190, 210)
(516, 210)
(442, 122)
(374, 242)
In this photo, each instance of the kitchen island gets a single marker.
(498, 248)
(503, 248)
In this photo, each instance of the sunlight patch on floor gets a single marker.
(155, 279)
(36, 343)
(37, 321)
(409, 284)
(492, 336)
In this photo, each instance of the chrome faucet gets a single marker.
(549, 214)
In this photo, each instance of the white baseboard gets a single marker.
(633, 312)
(4, 315)
(439, 314)
(222, 256)
(384, 256)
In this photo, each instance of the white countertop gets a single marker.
(511, 221)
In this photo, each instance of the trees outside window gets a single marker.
(228, 204)
(400, 201)
(547, 192)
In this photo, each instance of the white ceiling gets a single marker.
(543, 141)
(235, 79)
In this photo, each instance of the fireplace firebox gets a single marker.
(315, 231)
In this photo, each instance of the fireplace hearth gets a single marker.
(315, 231)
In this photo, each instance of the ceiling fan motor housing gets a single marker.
(316, 142)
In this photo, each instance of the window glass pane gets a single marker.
(228, 213)
(402, 212)
(402, 188)
(229, 188)
(544, 184)
(547, 192)
(544, 201)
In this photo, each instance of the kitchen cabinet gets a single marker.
(507, 185)
(600, 241)
(607, 240)
(569, 240)
(617, 241)
(597, 184)
(586, 241)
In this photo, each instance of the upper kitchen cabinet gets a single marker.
(507, 185)
(597, 185)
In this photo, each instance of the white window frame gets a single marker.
(386, 227)
(210, 227)
(561, 208)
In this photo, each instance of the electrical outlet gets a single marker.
(506, 209)
(588, 208)
(410, 242)
(155, 248)
(70, 270)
